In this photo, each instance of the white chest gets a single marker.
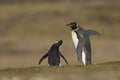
(75, 39)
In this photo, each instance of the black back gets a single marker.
(54, 54)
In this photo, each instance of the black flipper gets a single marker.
(64, 59)
(92, 32)
(43, 57)
(87, 50)
(79, 51)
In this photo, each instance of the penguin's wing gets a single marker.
(64, 59)
(43, 57)
(87, 49)
(92, 32)
(79, 50)
(80, 33)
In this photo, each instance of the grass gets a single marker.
(27, 30)
(103, 71)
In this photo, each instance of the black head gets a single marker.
(58, 43)
(73, 25)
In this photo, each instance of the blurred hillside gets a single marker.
(34, 18)
(29, 27)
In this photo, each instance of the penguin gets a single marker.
(81, 42)
(54, 55)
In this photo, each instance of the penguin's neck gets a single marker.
(74, 38)
(54, 48)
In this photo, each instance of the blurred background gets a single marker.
(28, 28)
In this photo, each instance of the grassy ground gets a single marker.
(27, 31)
(104, 71)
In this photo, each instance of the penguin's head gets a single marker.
(73, 25)
(58, 43)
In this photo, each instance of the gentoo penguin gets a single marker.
(54, 55)
(81, 41)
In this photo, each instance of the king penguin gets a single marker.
(54, 55)
(81, 41)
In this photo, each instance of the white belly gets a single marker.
(75, 39)
(75, 42)
(83, 57)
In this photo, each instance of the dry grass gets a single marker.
(109, 71)
(27, 30)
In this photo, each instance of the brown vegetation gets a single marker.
(28, 29)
